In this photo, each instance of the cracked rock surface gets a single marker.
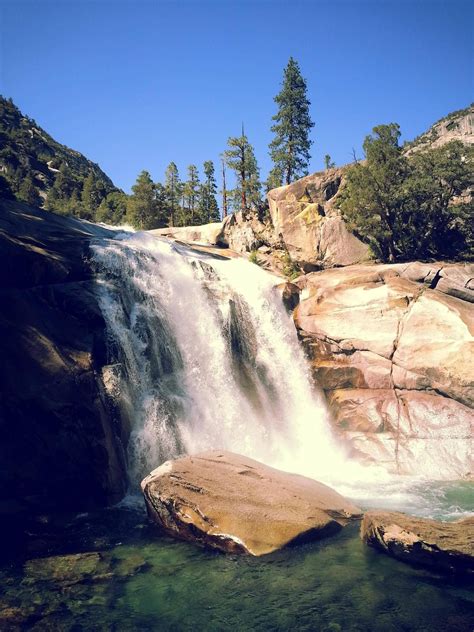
(392, 347)
(238, 505)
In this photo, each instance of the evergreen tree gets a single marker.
(93, 192)
(208, 207)
(372, 201)
(141, 206)
(112, 209)
(191, 193)
(410, 207)
(328, 163)
(173, 192)
(28, 192)
(241, 159)
(289, 149)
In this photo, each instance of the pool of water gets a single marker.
(111, 570)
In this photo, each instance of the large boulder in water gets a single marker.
(238, 505)
(447, 546)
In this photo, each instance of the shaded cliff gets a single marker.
(60, 438)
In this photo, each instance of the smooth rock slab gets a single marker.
(447, 546)
(238, 505)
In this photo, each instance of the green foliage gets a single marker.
(191, 191)
(208, 207)
(31, 159)
(112, 209)
(289, 149)
(407, 207)
(240, 157)
(290, 269)
(143, 208)
(28, 192)
(328, 163)
(173, 190)
(253, 257)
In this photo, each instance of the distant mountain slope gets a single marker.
(43, 172)
(458, 125)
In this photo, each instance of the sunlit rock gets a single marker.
(238, 505)
(447, 546)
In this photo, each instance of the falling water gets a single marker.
(206, 357)
(209, 359)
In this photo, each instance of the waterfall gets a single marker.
(208, 358)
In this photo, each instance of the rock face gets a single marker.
(60, 441)
(446, 546)
(458, 125)
(392, 347)
(304, 215)
(238, 505)
(207, 234)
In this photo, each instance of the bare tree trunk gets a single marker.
(224, 192)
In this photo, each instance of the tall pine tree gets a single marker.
(209, 209)
(141, 206)
(289, 149)
(173, 192)
(240, 157)
(191, 193)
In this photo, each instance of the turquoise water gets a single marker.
(112, 571)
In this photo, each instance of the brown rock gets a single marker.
(446, 546)
(239, 505)
(314, 233)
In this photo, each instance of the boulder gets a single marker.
(208, 234)
(445, 546)
(304, 215)
(238, 505)
(392, 348)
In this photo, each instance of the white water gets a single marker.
(210, 360)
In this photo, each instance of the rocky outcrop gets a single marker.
(458, 126)
(60, 439)
(392, 348)
(238, 505)
(305, 217)
(445, 546)
(207, 234)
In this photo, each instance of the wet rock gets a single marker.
(290, 294)
(238, 505)
(445, 546)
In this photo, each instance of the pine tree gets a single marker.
(141, 206)
(328, 163)
(173, 192)
(241, 158)
(224, 191)
(209, 209)
(289, 149)
(191, 193)
(28, 192)
(93, 192)
(112, 209)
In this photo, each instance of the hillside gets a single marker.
(458, 125)
(43, 172)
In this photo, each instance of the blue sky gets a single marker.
(134, 85)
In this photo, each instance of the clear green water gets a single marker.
(112, 571)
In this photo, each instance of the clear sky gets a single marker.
(134, 85)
